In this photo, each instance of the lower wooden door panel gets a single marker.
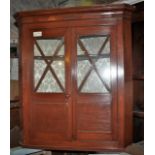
(94, 118)
(49, 122)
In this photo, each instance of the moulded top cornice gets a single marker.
(83, 9)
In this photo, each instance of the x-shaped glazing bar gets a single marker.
(49, 65)
(93, 64)
(91, 68)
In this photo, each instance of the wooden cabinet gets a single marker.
(76, 78)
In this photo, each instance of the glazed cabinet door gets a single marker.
(46, 78)
(95, 84)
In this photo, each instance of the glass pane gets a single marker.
(93, 69)
(48, 46)
(49, 66)
(93, 84)
(39, 67)
(83, 67)
(59, 68)
(94, 43)
(49, 84)
(103, 66)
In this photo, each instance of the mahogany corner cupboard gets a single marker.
(76, 78)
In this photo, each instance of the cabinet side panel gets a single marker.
(24, 76)
(120, 78)
(124, 82)
(128, 83)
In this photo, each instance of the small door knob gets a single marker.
(67, 95)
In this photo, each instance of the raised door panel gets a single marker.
(95, 84)
(48, 105)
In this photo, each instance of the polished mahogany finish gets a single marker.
(73, 114)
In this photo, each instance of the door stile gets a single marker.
(69, 85)
(73, 39)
